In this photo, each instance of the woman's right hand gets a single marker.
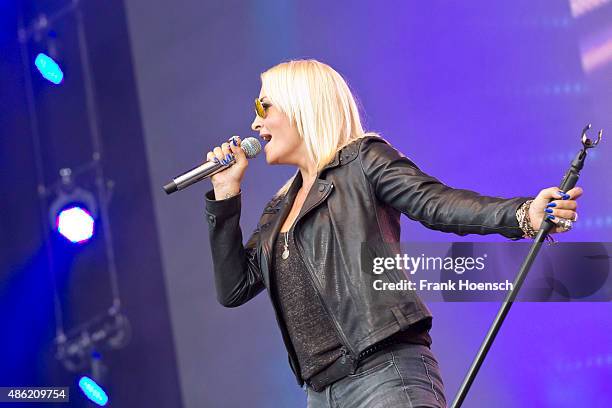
(227, 182)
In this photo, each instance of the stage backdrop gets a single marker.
(483, 95)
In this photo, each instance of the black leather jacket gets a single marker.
(357, 198)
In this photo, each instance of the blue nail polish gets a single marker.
(566, 196)
(548, 210)
(216, 160)
(551, 204)
(550, 217)
(234, 142)
(228, 157)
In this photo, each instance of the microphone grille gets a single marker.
(251, 147)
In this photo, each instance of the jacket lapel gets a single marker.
(268, 237)
(318, 192)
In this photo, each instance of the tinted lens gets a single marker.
(259, 109)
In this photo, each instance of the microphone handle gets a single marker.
(194, 175)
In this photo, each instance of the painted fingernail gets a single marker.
(551, 204)
(560, 193)
(227, 157)
(215, 160)
(548, 210)
(566, 196)
(550, 217)
(234, 142)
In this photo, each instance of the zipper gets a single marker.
(343, 350)
(316, 286)
(341, 335)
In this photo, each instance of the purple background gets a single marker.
(487, 96)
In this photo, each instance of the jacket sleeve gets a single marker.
(236, 266)
(398, 182)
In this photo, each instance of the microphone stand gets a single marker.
(568, 182)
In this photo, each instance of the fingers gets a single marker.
(227, 152)
(552, 193)
(567, 214)
(237, 150)
(563, 204)
(220, 155)
(223, 154)
(561, 196)
(575, 193)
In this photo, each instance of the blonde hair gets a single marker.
(318, 103)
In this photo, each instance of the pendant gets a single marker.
(285, 253)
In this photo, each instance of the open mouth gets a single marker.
(266, 137)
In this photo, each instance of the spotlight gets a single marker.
(73, 213)
(76, 224)
(93, 391)
(49, 69)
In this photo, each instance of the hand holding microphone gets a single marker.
(226, 166)
(230, 154)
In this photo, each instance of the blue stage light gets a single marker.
(93, 391)
(76, 224)
(73, 214)
(49, 69)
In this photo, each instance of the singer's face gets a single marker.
(283, 143)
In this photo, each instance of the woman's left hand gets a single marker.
(563, 205)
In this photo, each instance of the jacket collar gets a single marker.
(319, 191)
(344, 155)
(317, 194)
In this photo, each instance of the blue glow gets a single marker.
(76, 224)
(93, 391)
(49, 68)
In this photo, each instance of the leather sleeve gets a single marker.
(236, 266)
(398, 182)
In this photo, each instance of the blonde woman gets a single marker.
(347, 346)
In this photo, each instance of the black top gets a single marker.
(310, 328)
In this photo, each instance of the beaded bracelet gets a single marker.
(522, 216)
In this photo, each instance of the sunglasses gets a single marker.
(260, 108)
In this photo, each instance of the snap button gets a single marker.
(212, 219)
(321, 187)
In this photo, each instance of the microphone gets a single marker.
(251, 147)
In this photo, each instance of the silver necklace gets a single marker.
(285, 253)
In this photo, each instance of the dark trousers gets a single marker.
(402, 375)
